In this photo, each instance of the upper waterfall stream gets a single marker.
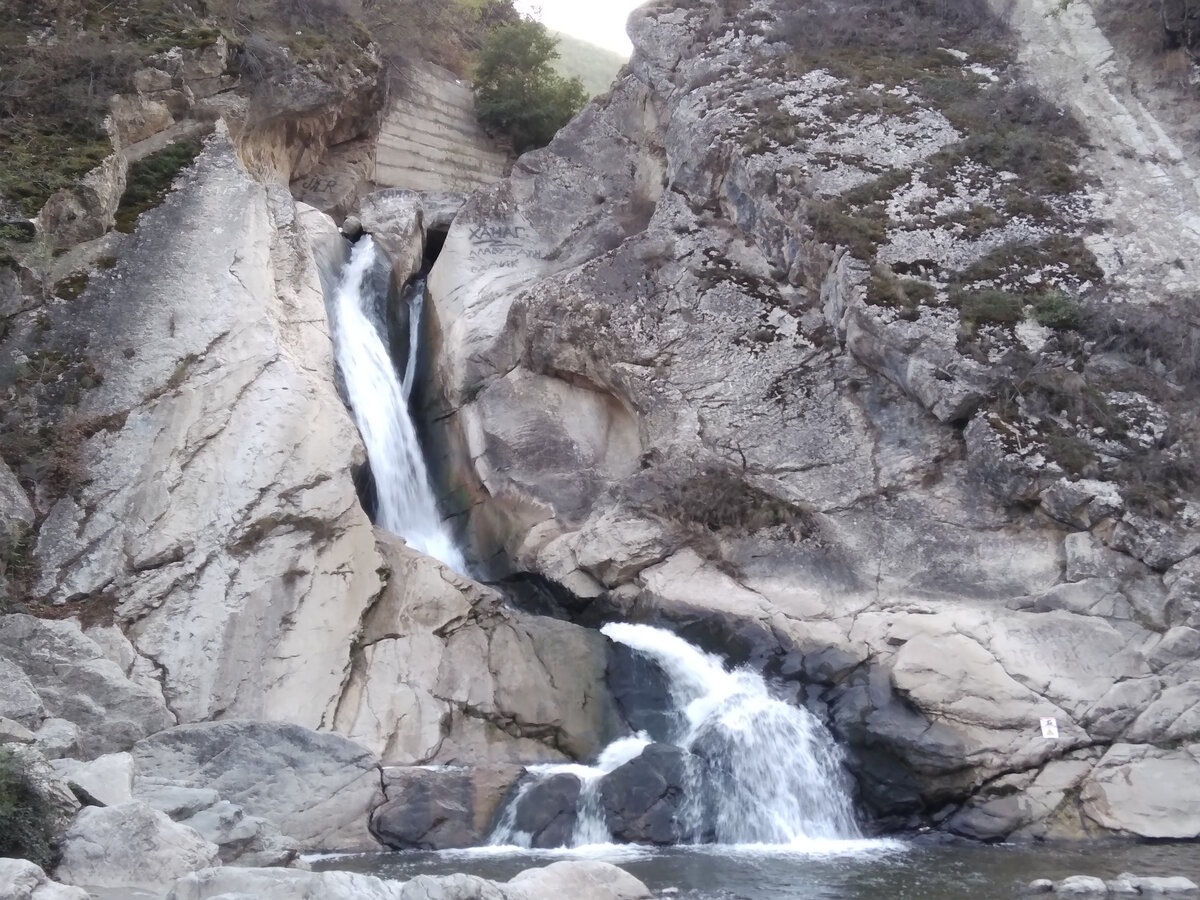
(379, 400)
(758, 770)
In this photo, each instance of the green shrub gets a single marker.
(904, 294)
(862, 230)
(990, 307)
(27, 818)
(150, 179)
(1055, 310)
(517, 92)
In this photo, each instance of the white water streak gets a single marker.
(764, 773)
(406, 505)
(773, 772)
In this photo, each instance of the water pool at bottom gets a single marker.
(851, 870)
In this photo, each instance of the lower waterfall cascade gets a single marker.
(379, 401)
(760, 770)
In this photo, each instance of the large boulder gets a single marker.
(316, 788)
(441, 808)
(644, 798)
(107, 779)
(130, 846)
(545, 812)
(446, 672)
(578, 880)
(75, 681)
(1147, 792)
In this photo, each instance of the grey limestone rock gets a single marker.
(448, 674)
(22, 880)
(19, 700)
(220, 507)
(1081, 886)
(77, 683)
(1161, 885)
(107, 779)
(130, 846)
(1146, 791)
(241, 839)
(316, 788)
(578, 880)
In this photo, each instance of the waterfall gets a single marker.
(379, 401)
(762, 771)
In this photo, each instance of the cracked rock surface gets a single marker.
(679, 395)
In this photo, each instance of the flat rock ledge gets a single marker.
(576, 879)
(1124, 885)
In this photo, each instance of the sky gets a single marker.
(600, 21)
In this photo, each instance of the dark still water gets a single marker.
(864, 870)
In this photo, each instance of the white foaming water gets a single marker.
(766, 775)
(772, 771)
(590, 829)
(379, 400)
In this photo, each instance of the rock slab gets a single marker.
(316, 788)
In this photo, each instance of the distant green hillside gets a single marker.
(595, 66)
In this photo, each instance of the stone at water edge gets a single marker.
(642, 799)
(577, 880)
(1081, 886)
(441, 809)
(22, 880)
(548, 811)
(1158, 885)
(567, 880)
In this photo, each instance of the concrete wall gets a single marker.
(430, 139)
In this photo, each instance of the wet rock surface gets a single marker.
(548, 811)
(441, 809)
(642, 799)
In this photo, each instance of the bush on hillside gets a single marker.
(517, 92)
(27, 819)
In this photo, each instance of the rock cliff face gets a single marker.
(825, 340)
(797, 348)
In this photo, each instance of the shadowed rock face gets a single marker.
(548, 811)
(642, 799)
(671, 395)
